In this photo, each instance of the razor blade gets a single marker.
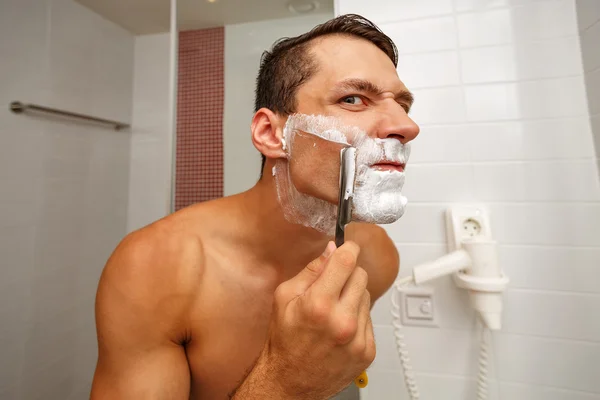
(346, 193)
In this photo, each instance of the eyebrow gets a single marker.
(363, 85)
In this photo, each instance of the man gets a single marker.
(228, 299)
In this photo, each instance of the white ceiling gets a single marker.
(153, 16)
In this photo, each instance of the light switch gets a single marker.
(417, 306)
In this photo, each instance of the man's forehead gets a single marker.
(343, 53)
(344, 62)
(343, 44)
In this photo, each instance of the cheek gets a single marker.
(315, 167)
(365, 121)
(310, 102)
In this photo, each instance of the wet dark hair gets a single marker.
(289, 64)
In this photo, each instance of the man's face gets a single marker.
(357, 83)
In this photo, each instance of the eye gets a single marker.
(353, 100)
(405, 106)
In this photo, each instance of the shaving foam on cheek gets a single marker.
(297, 207)
(377, 194)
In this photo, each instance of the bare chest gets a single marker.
(228, 334)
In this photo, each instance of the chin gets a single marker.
(378, 196)
(385, 208)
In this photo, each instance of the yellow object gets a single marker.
(362, 380)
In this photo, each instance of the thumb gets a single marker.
(312, 271)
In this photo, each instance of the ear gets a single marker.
(267, 133)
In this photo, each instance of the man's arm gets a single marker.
(378, 256)
(142, 305)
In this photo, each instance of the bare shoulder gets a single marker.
(153, 274)
(378, 256)
(160, 252)
(143, 303)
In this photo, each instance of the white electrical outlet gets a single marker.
(464, 222)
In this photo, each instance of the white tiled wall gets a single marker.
(588, 15)
(151, 133)
(64, 190)
(501, 100)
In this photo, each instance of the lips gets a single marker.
(389, 166)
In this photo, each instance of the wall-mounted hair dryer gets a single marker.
(473, 263)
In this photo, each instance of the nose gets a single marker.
(395, 123)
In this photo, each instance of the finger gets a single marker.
(336, 272)
(353, 292)
(358, 345)
(364, 316)
(371, 347)
(309, 274)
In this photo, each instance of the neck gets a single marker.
(275, 241)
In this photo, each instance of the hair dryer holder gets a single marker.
(478, 284)
(484, 279)
(475, 268)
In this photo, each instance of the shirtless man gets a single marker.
(228, 299)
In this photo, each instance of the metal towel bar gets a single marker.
(18, 107)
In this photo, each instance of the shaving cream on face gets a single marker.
(300, 208)
(377, 196)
